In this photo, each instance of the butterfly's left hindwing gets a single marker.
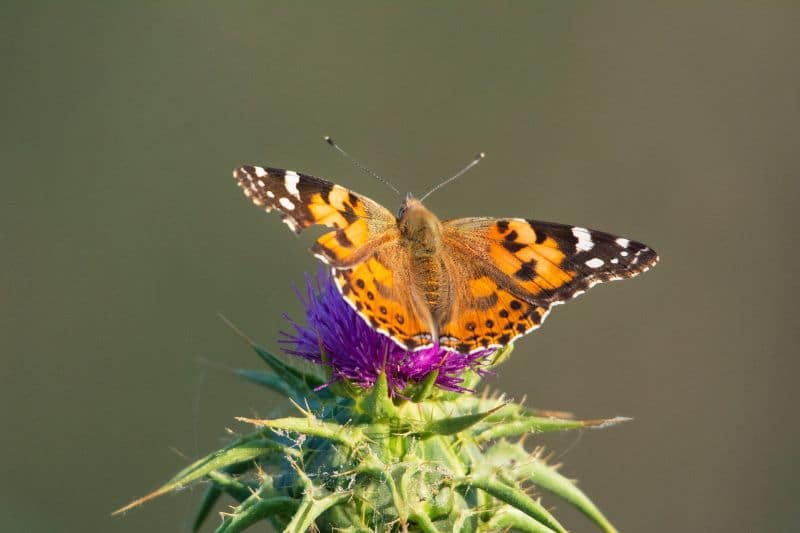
(360, 223)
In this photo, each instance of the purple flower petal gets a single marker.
(356, 352)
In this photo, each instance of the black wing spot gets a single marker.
(343, 239)
(513, 246)
(463, 347)
(526, 271)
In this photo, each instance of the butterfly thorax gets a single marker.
(420, 228)
(422, 232)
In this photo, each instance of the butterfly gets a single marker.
(465, 284)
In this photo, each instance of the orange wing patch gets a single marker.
(345, 246)
(490, 317)
(386, 303)
(534, 261)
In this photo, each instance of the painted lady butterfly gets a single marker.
(467, 283)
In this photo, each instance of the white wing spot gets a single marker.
(595, 262)
(585, 242)
(292, 223)
(623, 242)
(260, 172)
(290, 181)
(623, 253)
(261, 183)
(253, 186)
(271, 194)
(615, 261)
(285, 202)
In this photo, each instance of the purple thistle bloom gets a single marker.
(357, 353)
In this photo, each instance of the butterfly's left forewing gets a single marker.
(371, 267)
(360, 224)
(515, 270)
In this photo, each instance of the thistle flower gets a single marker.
(335, 336)
(389, 441)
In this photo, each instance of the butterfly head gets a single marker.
(418, 224)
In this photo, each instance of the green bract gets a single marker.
(361, 461)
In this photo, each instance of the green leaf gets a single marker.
(221, 483)
(548, 478)
(310, 426)
(253, 511)
(303, 384)
(450, 425)
(310, 508)
(502, 355)
(536, 424)
(508, 517)
(209, 500)
(229, 484)
(424, 389)
(423, 522)
(515, 497)
(377, 404)
(244, 449)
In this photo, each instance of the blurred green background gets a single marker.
(123, 234)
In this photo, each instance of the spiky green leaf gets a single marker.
(376, 405)
(245, 449)
(537, 424)
(450, 425)
(310, 426)
(508, 517)
(310, 508)
(515, 497)
(255, 510)
(548, 478)
(221, 483)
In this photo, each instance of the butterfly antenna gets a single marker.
(455, 176)
(360, 166)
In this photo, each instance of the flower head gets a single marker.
(336, 336)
